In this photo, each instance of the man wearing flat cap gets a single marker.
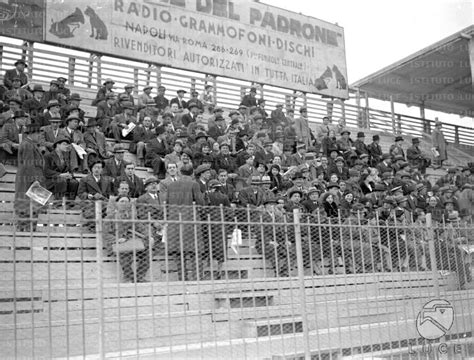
(145, 97)
(17, 72)
(58, 171)
(103, 91)
(127, 95)
(182, 104)
(62, 89)
(53, 110)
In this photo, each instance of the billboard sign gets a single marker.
(238, 39)
(23, 19)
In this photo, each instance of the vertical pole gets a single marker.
(359, 112)
(100, 280)
(29, 58)
(392, 111)
(431, 246)
(456, 134)
(343, 110)
(367, 112)
(135, 79)
(71, 70)
(299, 261)
(99, 70)
(158, 76)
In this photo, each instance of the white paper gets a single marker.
(38, 193)
(236, 239)
(128, 129)
(434, 152)
(79, 151)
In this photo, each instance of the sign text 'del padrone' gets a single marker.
(238, 39)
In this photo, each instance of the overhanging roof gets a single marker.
(438, 77)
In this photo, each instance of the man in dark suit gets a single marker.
(35, 106)
(54, 94)
(172, 176)
(375, 151)
(96, 145)
(190, 117)
(50, 133)
(115, 166)
(18, 71)
(76, 137)
(135, 184)
(94, 187)
(181, 195)
(180, 99)
(10, 137)
(58, 172)
(298, 158)
(161, 101)
(104, 91)
(218, 129)
(149, 203)
(250, 99)
(253, 195)
(143, 133)
(106, 110)
(156, 150)
(53, 108)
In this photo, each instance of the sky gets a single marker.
(381, 32)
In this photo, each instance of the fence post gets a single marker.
(456, 134)
(71, 70)
(100, 278)
(431, 246)
(158, 76)
(135, 79)
(299, 262)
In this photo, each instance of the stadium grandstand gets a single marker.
(158, 211)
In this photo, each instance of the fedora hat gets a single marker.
(38, 87)
(75, 96)
(108, 81)
(91, 123)
(202, 168)
(20, 61)
(52, 103)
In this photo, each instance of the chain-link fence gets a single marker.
(136, 279)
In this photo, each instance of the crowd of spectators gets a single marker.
(270, 162)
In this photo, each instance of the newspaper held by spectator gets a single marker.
(435, 152)
(128, 129)
(38, 193)
(79, 150)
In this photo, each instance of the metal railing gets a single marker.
(179, 282)
(86, 72)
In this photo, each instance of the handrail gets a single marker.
(90, 71)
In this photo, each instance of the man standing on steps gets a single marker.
(303, 132)
(185, 236)
(439, 144)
